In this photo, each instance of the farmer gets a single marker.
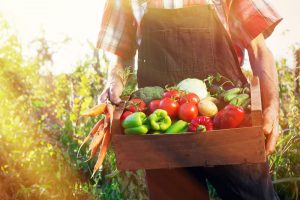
(178, 39)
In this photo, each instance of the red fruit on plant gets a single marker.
(189, 98)
(135, 105)
(172, 93)
(169, 105)
(125, 115)
(153, 105)
(187, 111)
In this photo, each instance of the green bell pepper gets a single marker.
(139, 130)
(159, 120)
(136, 123)
(177, 127)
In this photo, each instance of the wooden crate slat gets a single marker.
(256, 105)
(182, 150)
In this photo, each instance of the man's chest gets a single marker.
(140, 7)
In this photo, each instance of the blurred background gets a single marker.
(50, 72)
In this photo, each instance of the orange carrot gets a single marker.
(103, 151)
(93, 152)
(110, 110)
(92, 132)
(97, 139)
(96, 110)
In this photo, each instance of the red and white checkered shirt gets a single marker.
(242, 19)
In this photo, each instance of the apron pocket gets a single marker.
(157, 49)
(195, 51)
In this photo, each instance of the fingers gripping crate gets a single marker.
(218, 147)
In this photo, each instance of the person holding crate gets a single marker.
(178, 39)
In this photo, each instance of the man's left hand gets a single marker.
(271, 128)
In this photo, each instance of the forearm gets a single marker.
(117, 69)
(263, 66)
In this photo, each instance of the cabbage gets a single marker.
(195, 86)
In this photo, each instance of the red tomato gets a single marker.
(125, 115)
(169, 105)
(172, 93)
(153, 105)
(135, 105)
(189, 98)
(187, 111)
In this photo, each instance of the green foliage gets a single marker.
(285, 162)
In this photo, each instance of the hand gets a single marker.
(112, 91)
(270, 127)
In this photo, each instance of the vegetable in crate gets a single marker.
(195, 86)
(201, 124)
(240, 99)
(135, 105)
(148, 93)
(153, 105)
(231, 94)
(187, 111)
(136, 123)
(189, 98)
(178, 127)
(237, 96)
(229, 117)
(159, 120)
(173, 93)
(207, 108)
(125, 115)
(169, 105)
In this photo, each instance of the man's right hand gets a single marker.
(116, 81)
(112, 91)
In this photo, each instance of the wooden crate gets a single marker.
(218, 147)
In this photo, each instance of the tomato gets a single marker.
(187, 111)
(189, 98)
(172, 93)
(125, 115)
(135, 105)
(153, 105)
(169, 105)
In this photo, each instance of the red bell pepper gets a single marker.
(201, 124)
(229, 117)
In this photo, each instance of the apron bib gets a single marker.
(184, 43)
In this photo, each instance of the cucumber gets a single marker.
(229, 97)
(233, 91)
(239, 99)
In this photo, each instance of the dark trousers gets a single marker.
(232, 182)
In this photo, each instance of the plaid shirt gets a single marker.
(242, 19)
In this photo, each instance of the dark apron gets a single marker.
(188, 43)
(184, 43)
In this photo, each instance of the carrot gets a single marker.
(93, 152)
(103, 151)
(97, 139)
(110, 110)
(96, 110)
(92, 132)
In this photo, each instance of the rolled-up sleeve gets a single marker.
(249, 18)
(118, 29)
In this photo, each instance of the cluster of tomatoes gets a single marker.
(178, 104)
